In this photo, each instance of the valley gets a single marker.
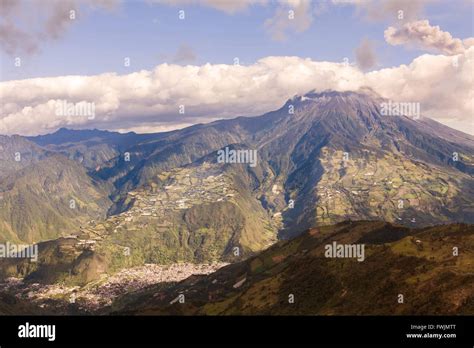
(292, 277)
(295, 278)
(97, 296)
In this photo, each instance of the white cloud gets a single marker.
(442, 85)
(421, 34)
(468, 42)
(208, 92)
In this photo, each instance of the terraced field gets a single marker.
(388, 187)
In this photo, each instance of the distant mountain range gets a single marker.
(322, 158)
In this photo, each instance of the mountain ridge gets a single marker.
(331, 158)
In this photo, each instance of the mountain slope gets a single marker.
(322, 158)
(45, 195)
(197, 213)
(302, 149)
(419, 264)
(17, 152)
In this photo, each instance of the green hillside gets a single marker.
(416, 263)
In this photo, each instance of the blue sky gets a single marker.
(151, 34)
